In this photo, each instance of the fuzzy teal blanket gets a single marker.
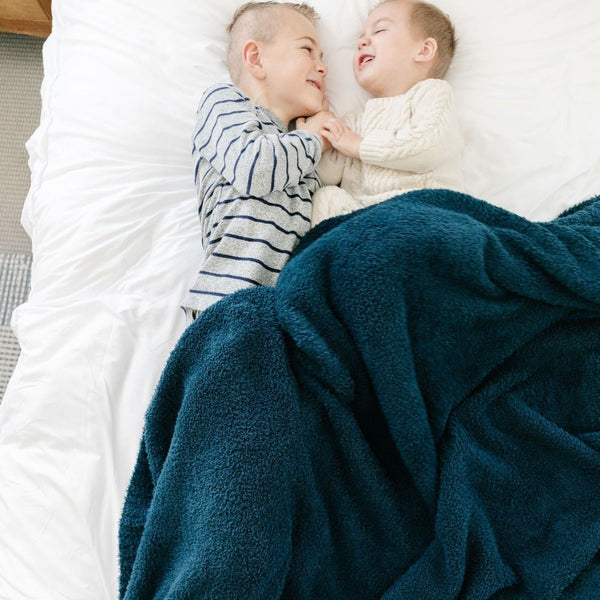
(412, 413)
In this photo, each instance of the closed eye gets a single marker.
(311, 46)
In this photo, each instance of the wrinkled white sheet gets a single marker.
(112, 216)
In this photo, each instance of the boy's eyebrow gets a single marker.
(311, 40)
(377, 23)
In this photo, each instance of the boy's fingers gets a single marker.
(334, 129)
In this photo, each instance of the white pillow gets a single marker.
(527, 82)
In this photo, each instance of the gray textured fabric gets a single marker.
(15, 276)
(21, 74)
(255, 181)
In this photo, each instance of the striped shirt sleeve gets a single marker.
(230, 136)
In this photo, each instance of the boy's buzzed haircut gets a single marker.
(429, 21)
(257, 21)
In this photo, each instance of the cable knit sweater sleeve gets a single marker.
(423, 131)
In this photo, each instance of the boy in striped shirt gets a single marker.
(255, 178)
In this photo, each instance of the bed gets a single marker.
(112, 217)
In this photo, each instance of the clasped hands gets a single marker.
(332, 131)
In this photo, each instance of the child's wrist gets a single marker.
(351, 146)
(325, 143)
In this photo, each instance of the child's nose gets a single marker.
(362, 42)
(321, 68)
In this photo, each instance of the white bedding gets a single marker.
(112, 216)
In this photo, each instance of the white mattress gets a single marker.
(112, 216)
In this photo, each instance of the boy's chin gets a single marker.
(312, 108)
(365, 83)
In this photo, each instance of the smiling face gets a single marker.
(386, 61)
(294, 73)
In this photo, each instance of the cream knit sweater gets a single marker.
(409, 142)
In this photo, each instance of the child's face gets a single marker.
(294, 70)
(384, 59)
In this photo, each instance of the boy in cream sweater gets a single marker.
(407, 136)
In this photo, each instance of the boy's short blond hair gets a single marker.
(257, 21)
(429, 21)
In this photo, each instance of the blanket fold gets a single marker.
(412, 412)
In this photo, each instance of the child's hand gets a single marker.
(315, 124)
(341, 137)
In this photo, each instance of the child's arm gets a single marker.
(230, 136)
(423, 138)
(314, 125)
(331, 165)
(341, 137)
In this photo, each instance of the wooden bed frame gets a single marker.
(31, 17)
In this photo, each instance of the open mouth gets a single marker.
(364, 59)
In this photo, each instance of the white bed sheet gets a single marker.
(112, 216)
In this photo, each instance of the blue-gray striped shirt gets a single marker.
(254, 181)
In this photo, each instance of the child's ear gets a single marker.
(252, 58)
(427, 51)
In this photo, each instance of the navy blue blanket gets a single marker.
(412, 413)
